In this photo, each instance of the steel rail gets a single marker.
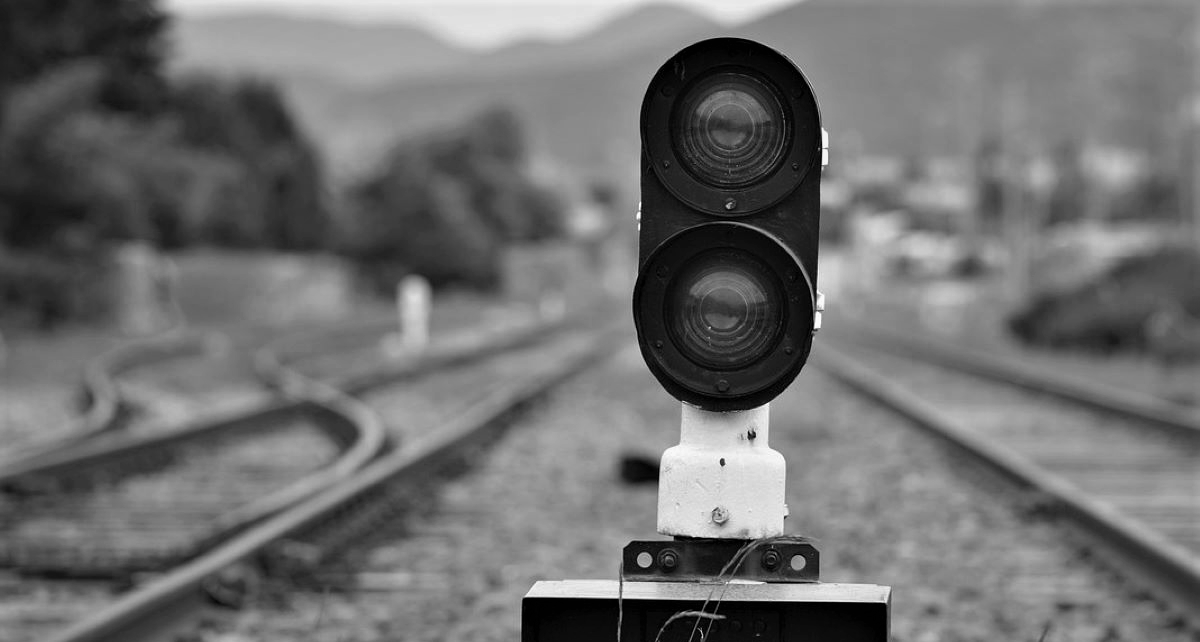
(346, 418)
(1169, 570)
(98, 385)
(302, 393)
(134, 614)
(1127, 403)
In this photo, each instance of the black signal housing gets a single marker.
(731, 167)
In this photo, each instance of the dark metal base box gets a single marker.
(586, 610)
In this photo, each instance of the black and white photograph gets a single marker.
(599, 321)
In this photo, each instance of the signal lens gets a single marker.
(725, 309)
(729, 130)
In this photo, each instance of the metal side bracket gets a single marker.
(712, 560)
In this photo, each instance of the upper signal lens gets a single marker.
(729, 130)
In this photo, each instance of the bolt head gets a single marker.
(668, 559)
(730, 204)
(771, 560)
(722, 385)
(720, 515)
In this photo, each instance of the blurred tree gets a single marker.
(444, 206)
(497, 133)
(125, 38)
(248, 120)
(70, 171)
(33, 203)
(489, 156)
(408, 218)
(96, 147)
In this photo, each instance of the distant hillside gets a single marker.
(912, 75)
(331, 51)
(311, 48)
(362, 72)
(900, 76)
(623, 36)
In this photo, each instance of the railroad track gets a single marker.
(162, 395)
(92, 515)
(105, 406)
(150, 453)
(1122, 472)
(261, 502)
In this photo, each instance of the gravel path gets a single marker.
(885, 504)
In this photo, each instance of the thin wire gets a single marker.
(620, 597)
(731, 567)
(699, 615)
(727, 571)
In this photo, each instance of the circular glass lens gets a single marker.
(729, 130)
(725, 309)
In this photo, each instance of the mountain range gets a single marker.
(903, 77)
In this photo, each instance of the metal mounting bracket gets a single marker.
(703, 560)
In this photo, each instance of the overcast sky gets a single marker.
(480, 23)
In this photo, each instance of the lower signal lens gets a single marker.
(725, 309)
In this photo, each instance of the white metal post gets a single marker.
(413, 307)
(723, 480)
(415, 300)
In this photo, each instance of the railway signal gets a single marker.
(725, 303)
(725, 307)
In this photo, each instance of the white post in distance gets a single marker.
(415, 301)
(139, 301)
(413, 306)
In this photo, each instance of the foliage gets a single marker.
(29, 176)
(248, 122)
(1112, 312)
(444, 206)
(49, 288)
(224, 165)
(96, 147)
(75, 78)
(125, 39)
(72, 175)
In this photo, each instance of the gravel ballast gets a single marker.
(884, 503)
